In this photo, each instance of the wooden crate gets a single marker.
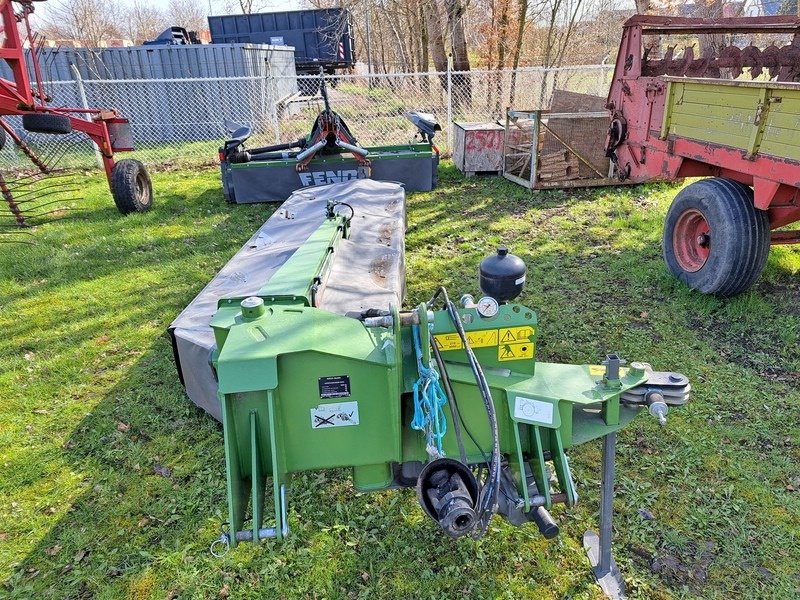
(478, 148)
(556, 150)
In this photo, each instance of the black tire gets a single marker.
(131, 187)
(715, 239)
(46, 123)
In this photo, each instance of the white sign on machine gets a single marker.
(339, 414)
(529, 409)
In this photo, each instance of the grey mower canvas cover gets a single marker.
(270, 181)
(367, 271)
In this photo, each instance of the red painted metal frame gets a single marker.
(639, 100)
(18, 97)
(329, 128)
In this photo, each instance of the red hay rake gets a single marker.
(128, 179)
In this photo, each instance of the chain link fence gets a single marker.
(182, 121)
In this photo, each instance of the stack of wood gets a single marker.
(557, 166)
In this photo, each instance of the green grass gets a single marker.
(112, 483)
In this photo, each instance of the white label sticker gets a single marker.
(528, 409)
(340, 414)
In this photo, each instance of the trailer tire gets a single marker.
(715, 239)
(46, 123)
(131, 187)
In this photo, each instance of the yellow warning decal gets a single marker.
(448, 341)
(516, 351)
(477, 339)
(482, 338)
(600, 370)
(510, 335)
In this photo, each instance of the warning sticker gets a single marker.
(340, 414)
(600, 370)
(482, 338)
(509, 335)
(448, 341)
(516, 351)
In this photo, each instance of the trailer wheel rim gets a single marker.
(691, 240)
(142, 193)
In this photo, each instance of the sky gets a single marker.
(216, 7)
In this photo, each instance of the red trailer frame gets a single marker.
(128, 179)
(642, 152)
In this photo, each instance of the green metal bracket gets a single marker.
(539, 468)
(424, 334)
(257, 479)
(561, 465)
(237, 498)
(518, 467)
(302, 272)
(277, 470)
(611, 410)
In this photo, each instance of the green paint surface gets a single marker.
(756, 117)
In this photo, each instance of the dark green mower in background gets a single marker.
(273, 173)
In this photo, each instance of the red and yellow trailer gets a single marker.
(728, 113)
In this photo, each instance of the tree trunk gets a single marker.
(462, 84)
(502, 27)
(522, 15)
(411, 48)
(424, 59)
(436, 41)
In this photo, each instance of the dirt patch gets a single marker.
(687, 567)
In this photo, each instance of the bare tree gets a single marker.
(143, 21)
(189, 14)
(435, 28)
(246, 7)
(91, 22)
(522, 16)
(562, 17)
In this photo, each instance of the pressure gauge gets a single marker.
(488, 307)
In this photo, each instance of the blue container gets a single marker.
(321, 38)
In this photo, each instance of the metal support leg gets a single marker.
(599, 547)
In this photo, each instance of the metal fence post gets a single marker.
(450, 103)
(275, 119)
(273, 103)
(85, 104)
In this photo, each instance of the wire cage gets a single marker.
(544, 150)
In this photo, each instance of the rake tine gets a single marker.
(21, 184)
(53, 201)
(43, 193)
(16, 231)
(54, 173)
(54, 211)
(2, 241)
(44, 189)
